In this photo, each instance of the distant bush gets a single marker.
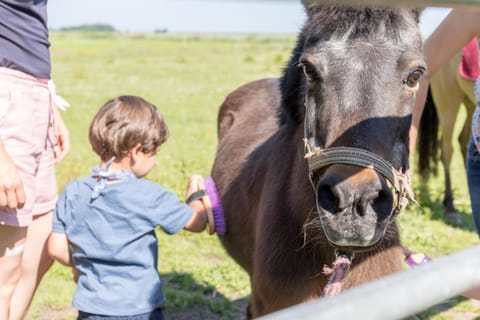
(97, 27)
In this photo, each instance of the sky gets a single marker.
(206, 16)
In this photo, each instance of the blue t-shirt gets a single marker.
(114, 246)
(24, 43)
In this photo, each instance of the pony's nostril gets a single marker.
(361, 209)
(374, 200)
(326, 198)
(383, 204)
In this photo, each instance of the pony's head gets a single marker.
(350, 85)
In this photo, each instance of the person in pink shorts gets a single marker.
(32, 138)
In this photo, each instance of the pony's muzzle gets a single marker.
(354, 205)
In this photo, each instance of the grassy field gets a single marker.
(188, 77)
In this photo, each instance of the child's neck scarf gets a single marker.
(103, 175)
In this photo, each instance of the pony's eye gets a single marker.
(412, 78)
(309, 71)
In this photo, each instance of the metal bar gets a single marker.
(402, 3)
(396, 296)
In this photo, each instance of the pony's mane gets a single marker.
(323, 22)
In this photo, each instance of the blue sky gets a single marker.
(181, 15)
(207, 16)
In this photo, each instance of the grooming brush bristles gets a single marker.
(217, 208)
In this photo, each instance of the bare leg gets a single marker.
(35, 264)
(12, 240)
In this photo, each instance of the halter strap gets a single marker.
(318, 158)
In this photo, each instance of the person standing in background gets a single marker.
(33, 137)
(455, 31)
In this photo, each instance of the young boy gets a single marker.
(104, 224)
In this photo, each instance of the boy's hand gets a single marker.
(193, 185)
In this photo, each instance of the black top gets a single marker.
(24, 43)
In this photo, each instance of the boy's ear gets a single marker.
(135, 151)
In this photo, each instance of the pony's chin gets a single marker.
(357, 244)
(354, 248)
(356, 237)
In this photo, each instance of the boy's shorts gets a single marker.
(153, 315)
(27, 132)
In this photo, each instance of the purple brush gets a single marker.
(217, 208)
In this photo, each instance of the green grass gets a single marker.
(187, 77)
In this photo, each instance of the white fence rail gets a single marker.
(396, 296)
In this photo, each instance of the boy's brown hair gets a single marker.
(124, 122)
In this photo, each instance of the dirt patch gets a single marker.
(192, 313)
(67, 313)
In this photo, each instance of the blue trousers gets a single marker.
(473, 176)
(153, 315)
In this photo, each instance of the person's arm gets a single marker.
(62, 143)
(59, 248)
(12, 194)
(473, 293)
(199, 220)
(455, 31)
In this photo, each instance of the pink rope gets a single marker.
(336, 274)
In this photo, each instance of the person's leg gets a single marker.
(15, 126)
(36, 261)
(25, 136)
(12, 241)
(473, 176)
(35, 264)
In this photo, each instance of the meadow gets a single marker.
(187, 77)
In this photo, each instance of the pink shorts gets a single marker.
(26, 129)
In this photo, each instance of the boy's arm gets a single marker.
(59, 248)
(199, 219)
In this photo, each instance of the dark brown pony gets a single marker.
(350, 82)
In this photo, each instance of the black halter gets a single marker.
(319, 158)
